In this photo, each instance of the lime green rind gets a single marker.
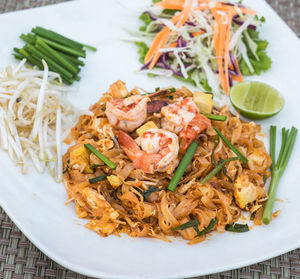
(256, 100)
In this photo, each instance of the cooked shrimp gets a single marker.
(155, 150)
(183, 118)
(127, 114)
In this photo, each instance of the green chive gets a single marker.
(59, 69)
(18, 56)
(98, 178)
(27, 39)
(55, 56)
(31, 59)
(71, 58)
(188, 156)
(65, 49)
(239, 228)
(217, 169)
(215, 117)
(53, 36)
(233, 148)
(104, 159)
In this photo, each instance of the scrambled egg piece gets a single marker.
(203, 101)
(245, 192)
(102, 209)
(147, 126)
(258, 158)
(79, 159)
(97, 203)
(115, 180)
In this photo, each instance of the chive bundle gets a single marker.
(288, 138)
(60, 53)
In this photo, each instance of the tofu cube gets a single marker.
(203, 101)
(147, 126)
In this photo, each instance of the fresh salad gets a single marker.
(206, 42)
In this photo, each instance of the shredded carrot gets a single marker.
(195, 34)
(238, 78)
(226, 8)
(172, 45)
(171, 4)
(156, 44)
(159, 42)
(226, 50)
(163, 42)
(185, 13)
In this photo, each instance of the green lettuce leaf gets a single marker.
(264, 61)
(146, 19)
(142, 50)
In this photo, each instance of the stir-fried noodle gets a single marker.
(133, 198)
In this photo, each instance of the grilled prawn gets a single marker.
(155, 150)
(183, 118)
(127, 114)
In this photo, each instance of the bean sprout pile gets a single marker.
(34, 117)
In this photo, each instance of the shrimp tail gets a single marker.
(198, 124)
(140, 159)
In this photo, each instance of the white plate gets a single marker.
(36, 204)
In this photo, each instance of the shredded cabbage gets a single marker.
(190, 50)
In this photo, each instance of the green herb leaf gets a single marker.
(194, 224)
(191, 224)
(210, 226)
(169, 12)
(239, 228)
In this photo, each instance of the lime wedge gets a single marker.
(256, 100)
